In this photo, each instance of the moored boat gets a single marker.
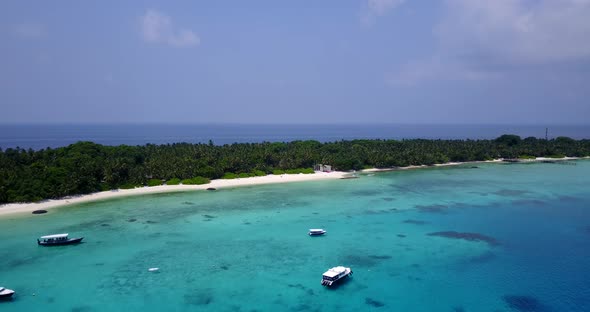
(6, 293)
(316, 232)
(57, 240)
(335, 274)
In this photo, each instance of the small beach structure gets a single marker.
(6, 293)
(57, 240)
(322, 168)
(335, 275)
(316, 232)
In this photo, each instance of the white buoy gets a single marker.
(153, 269)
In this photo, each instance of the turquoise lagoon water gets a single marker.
(247, 249)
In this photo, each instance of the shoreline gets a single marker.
(22, 208)
(494, 161)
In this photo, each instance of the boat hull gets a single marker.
(67, 242)
(6, 294)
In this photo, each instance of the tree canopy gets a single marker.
(85, 167)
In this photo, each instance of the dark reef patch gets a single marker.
(359, 260)
(508, 193)
(431, 208)
(132, 220)
(458, 309)
(528, 202)
(566, 198)
(383, 257)
(524, 303)
(401, 235)
(199, 298)
(188, 203)
(40, 211)
(206, 216)
(378, 212)
(473, 237)
(150, 222)
(298, 286)
(417, 222)
(365, 193)
(374, 303)
(388, 199)
(81, 309)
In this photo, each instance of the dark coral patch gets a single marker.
(388, 199)
(506, 192)
(458, 309)
(132, 220)
(383, 257)
(474, 237)
(188, 203)
(431, 208)
(198, 298)
(417, 222)
(528, 202)
(209, 216)
(524, 303)
(401, 235)
(374, 303)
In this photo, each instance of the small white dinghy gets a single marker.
(316, 232)
(153, 269)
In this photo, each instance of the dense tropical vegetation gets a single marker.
(85, 167)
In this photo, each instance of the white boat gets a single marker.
(335, 274)
(316, 232)
(6, 293)
(57, 240)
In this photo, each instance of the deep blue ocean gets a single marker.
(43, 136)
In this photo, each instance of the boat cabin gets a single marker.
(335, 274)
(56, 238)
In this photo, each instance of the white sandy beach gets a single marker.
(221, 183)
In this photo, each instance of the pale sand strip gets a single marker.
(269, 179)
(472, 162)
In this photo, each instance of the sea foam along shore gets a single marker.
(221, 183)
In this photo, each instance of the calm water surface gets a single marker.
(247, 249)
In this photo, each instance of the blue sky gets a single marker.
(344, 61)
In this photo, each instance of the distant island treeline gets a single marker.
(86, 167)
